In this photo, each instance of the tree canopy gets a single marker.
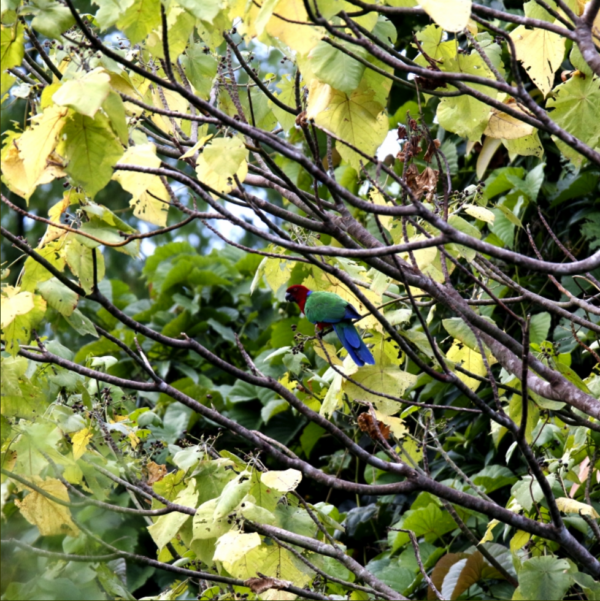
(171, 427)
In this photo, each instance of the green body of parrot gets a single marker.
(327, 309)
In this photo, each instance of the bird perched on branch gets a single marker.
(328, 309)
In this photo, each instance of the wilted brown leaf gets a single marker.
(374, 428)
(422, 184)
(433, 146)
(260, 585)
(155, 472)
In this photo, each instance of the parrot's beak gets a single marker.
(288, 297)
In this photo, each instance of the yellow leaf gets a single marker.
(220, 161)
(330, 351)
(378, 199)
(489, 535)
(276, 595)
(233, 545)
(388, 379)
(50, 517)
(397, 427)
(567, 505)
(358, 119)
(56, 212)
(80, 442)
(284, 481)
(84, 94)
(451, 15)
(144, 187)
(479, 213)
(469, 359)
(541, 53)
(503, 125)
(38, 141)
(301, 38)
(519, 540)
(13, 168)
(409, 452)
(291, 385)
(333, 398)
(133, 439)
(277, 272)
(13, 303)
(202, 140)
(172, 102)
(423, 256)
(525, 146)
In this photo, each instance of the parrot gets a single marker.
(328, 309)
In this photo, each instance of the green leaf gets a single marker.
(139, 19)
(545, 577)
(465, 115)
(109, 235)
(457, 328)
(335, 67)
(499, 181)
(358, 119)
(576, 108)
(287, 95)
(80, 261)
(20, 396)
(272, 408)
(84, 94)
(464, 226)
(11, 46)
(115, 109)
(430, 522)
(385, 30)
(166, 527)
(539, 327)
(220, 161)
(591, 230)
(81, 324)
(34, 272)
(91, 149)
(17, 331)
(58, 296)
(493, 477)
(534, 181)
(51, 19)
(6, 84)
(200, 68)
(528, 491)
(206, 10)
(110, 11)
(205, 525)
(310, 436)
(503, 228)
(112, 583)
(526, 146)
(579, 63)
(13, 369)
(590, 587)
(379, 378)
(388, 571)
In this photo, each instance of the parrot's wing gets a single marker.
(325, 307)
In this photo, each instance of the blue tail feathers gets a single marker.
(353, 343)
